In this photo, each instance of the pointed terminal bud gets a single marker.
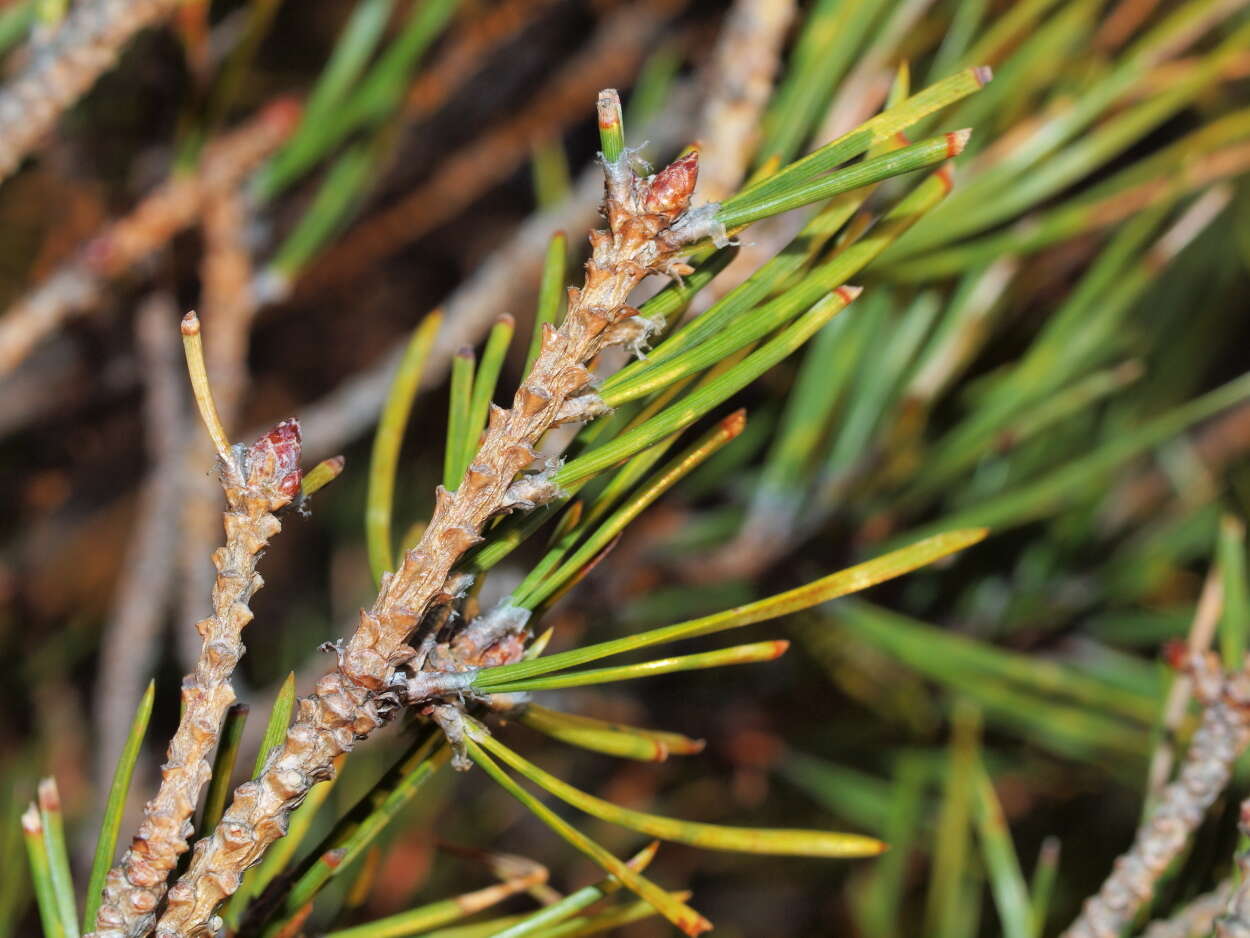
(671, 188)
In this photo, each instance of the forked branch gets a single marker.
(644, 236)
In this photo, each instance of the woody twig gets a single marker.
(351, 701)
(258, 481)
(1220, 738)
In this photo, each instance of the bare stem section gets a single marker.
(350, 702)
(258, 481)
(1221, 737)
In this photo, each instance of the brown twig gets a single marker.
(228, 309)
(60, 70)
(171, 207)
(1196, 918)
(348, 411)
(1234, 920)
(1220, 738)
(1201, 632)
(258, 481)
(643, 218)
(1214, 446)
(465, 52)
(1121, 22)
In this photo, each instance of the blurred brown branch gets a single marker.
(63, 67)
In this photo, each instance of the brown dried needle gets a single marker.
(258, 481)
(641, 216)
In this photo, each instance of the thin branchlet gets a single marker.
(349, 703)
(1196, 918)
(1234, 919)
(258, 481)
(1221, 737)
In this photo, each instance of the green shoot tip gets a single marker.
(611, 130)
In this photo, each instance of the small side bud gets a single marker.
(273, 460)
(1176, 654)
(671, 188)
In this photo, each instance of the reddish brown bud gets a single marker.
(1175, 654)
(283, 113)
(670, 190)
(274, 458)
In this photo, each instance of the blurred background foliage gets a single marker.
(1057, 351)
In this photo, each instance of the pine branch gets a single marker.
(351, 409)
(642, 216)
(258, 481)
(1220, 738)
(1235, 920)
(1195, 919)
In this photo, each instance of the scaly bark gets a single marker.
(1196, 919)
(644, 217)
(1234, 920)
(262, 480)
(1220, 738)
